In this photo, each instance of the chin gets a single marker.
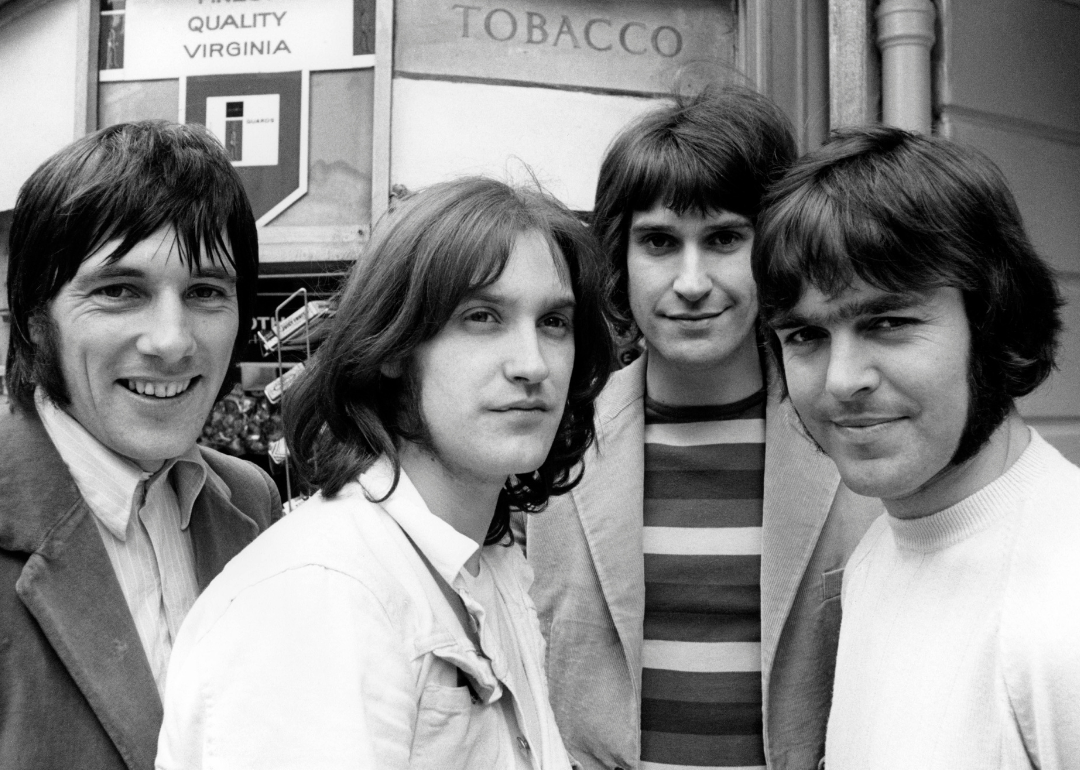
(884, 486)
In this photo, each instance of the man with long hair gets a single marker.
(910, 311)
(386, 623)
(688, 587)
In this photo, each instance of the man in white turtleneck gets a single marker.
(910, 311)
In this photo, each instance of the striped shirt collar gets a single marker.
(112, 486)
(445, 547)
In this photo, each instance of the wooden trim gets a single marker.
(496, 81)
(853, 64)
(313, 234)
(1012, 124)
(383, 103)
(752, 58)
(86, 66)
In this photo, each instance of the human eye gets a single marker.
(891, 323)
(657, 242)
(800, 337)
(727, 239)
(557, 324)
(479, 316)
(207, 292)
(114, 292)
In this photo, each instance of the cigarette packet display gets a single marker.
(292, 325)
(276, 388)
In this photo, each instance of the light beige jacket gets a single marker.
(329, 644)
(586, 552)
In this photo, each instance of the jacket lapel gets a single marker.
(609, 502)
(69, 586)
(800, 484)
(219, 530)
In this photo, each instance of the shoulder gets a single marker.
(323, 549)
(1043, 587)
(624, 390)
(251, 488)
(344, 534)
(1048, 525)
(1040, 627)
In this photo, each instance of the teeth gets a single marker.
(158, 389)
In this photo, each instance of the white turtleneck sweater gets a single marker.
(960, 643)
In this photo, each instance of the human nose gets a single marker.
(525, 360)
(167, 334)
(852, 370)
(692, 282)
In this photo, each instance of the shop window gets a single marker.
(125, 101)
(339, 152)
(111, 35)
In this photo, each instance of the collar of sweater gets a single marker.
(978, 511)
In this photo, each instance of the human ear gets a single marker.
(36, 328)
(391, 369)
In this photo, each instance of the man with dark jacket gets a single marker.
(133, 264)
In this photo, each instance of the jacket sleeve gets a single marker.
(303, 669)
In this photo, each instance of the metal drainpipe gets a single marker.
(905, 37)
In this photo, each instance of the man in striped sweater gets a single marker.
(910, 312)
(688, 587)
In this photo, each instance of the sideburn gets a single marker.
(989, 406)
(45, 369)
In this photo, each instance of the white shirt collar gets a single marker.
(111, 485)
(445, 547)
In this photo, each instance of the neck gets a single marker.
(737, 377)
(465, 503)
(957, 482)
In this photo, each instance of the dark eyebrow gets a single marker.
(884, 303)
(555, 302)
(728, 221)
(214, 273)
(118, 270)
(112, 270)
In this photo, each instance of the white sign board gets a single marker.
(247, 126)
(173, 38)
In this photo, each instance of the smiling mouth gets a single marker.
(692, 316)
(863, 423)
(156, 389)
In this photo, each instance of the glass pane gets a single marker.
(138, 100)
(363, 27)
(339, 152)
(111, 42)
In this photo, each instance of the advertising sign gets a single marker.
(632, 45)
(147, 39)
(247, 126)
(258, 117)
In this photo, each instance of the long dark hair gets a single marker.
(423, 260)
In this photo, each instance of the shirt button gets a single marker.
(524, 744)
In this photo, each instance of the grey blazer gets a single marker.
(75, 686)
(586, 551)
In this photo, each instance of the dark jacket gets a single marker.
(76, 689)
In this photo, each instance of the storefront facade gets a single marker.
(330, 107)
